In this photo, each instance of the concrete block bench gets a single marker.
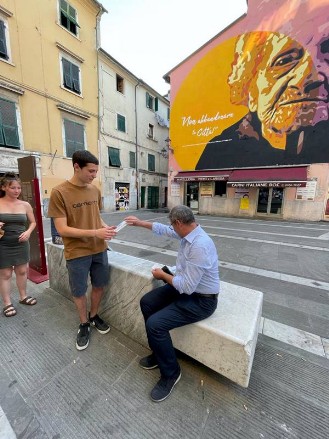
(225, 342)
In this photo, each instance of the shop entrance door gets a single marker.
(270, 201)
(192, 195)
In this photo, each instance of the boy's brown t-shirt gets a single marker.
(81, 206)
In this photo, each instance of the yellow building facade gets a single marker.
(48, 85)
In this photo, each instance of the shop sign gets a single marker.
(175, 189)
(307, 193)
(206, 189)
(267, 184)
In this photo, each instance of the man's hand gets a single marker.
(106, 233)
(132, 220)
(159, 274)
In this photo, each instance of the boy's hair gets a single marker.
(83, 157)
(8, 178)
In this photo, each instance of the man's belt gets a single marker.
(206, 295)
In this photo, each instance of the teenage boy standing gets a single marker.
(75, 207)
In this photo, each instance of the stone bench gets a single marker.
(225, 342)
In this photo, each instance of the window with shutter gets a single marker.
(151, 162)
(3, 44)
(68, 17)
(74, 137)
(114, 157)
(8, 124)
(121, 123)
(132, 159)
(71, 76)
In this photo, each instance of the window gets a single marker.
(68, 17)
(151, 102)
(3, 43)
(220, 188)
(168, 113)
(8, 124)
(114, 157)
(150, 132)
(119, 84)
(132, 159)
(151, 162)
(71, 76)
(121, 123)
(74, 136)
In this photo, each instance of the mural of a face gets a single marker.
(280, 82)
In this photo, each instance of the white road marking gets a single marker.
(243, 268)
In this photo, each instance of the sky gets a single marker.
(150, 37)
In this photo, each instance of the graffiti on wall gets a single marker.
(258, 99)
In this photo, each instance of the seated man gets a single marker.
(189, 295)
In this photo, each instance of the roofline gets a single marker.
(100, 6)
(138, 80)
(166, 77)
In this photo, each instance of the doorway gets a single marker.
(270, 201)
(192, 195)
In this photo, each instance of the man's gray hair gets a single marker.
(181, 213)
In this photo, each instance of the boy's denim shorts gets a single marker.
(79, 269)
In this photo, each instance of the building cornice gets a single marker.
(72, 110)
(69, 52)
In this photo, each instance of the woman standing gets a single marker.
(14, 242)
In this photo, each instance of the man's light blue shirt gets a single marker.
(197, 261)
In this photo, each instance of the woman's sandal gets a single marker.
(28, 301)
(9, 310)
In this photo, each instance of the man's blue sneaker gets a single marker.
(164, 387)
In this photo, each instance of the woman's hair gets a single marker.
(181, 213)
(7, 179)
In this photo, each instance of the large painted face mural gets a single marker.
(259, 99)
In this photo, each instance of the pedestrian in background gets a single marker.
(75, 207)
(190, 293)
(15, 214)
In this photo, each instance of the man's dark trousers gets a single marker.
(164, 309)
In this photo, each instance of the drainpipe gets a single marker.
(136, 147)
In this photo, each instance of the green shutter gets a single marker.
(114, 157)
(8, 124)
(151, 162)
(74, 137)
(75, 78)
(67, 79)
(132, 159)
(3, 45)
(69, 12)
(71, 76)
(156, 107)
(121, 121)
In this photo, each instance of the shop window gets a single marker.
(114, 157)
(151, 162)
(71, 76)
(8, 124)
(132, 159)
(220, 188)
(121, 123)
(68, 17)
(120, 83)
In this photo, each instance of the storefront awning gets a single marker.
(202, 176)
(269, 177)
